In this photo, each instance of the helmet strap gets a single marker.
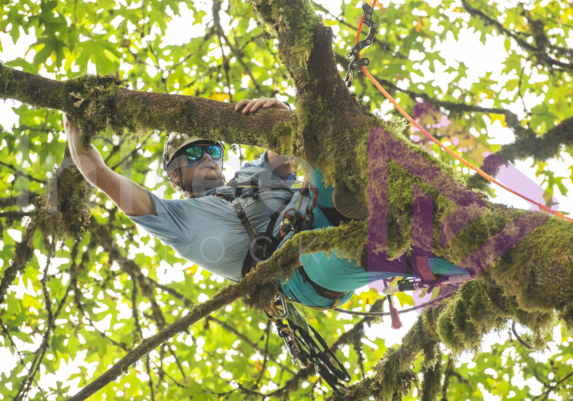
(183, 188)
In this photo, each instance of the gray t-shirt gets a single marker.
(207, 231)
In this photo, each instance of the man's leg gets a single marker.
(325, 213)
(334, 272)
(340, 274)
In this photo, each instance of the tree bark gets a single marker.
(95, 103)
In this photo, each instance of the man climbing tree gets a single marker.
(334, 131)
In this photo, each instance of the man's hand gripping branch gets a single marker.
(278, 163)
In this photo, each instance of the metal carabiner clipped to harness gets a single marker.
(274, 312)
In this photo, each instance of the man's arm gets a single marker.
(131, 198)
(277, 163)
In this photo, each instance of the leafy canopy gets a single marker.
(95, 307)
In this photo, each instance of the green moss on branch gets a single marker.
(96, 103)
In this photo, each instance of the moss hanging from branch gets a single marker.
(97, 103)
(431, 383)
(479, 309)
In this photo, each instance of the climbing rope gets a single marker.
(354, 65)
(521, 341)
(375, 314)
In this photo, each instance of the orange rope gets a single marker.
(451, 152)
(358, 32)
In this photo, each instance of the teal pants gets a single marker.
(338, 273)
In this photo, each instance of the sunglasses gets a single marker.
(196, 152)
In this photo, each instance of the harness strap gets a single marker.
(336, 295)
(261, 246)
(244, 221)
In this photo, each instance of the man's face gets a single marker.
(205, 172)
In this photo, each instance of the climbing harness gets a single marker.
(302, 347)
(298, 340)
(367, 19)
(262, 245)
(299, 337)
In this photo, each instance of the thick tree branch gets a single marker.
(281, 264)
(327, 112)
(105, 104)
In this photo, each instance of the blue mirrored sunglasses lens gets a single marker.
(194, 153)
(214, 151)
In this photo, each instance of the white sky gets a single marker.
(479, 59)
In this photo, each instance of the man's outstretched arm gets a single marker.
(131, 198)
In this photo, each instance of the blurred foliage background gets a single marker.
(80, 304)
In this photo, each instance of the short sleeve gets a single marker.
(260, 169)
(169, 226)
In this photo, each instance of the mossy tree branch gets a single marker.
(97, 103)
(328, 116)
